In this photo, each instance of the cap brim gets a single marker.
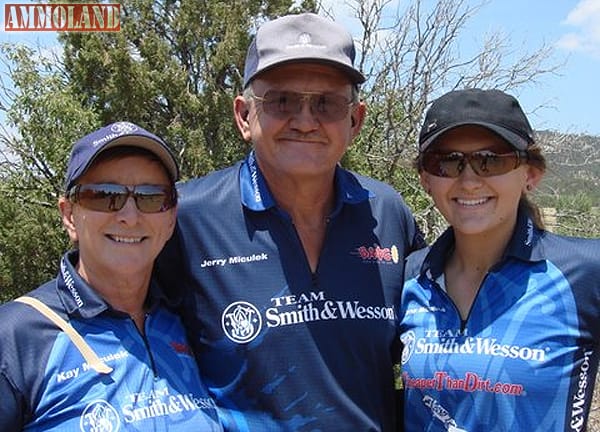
(515, 140)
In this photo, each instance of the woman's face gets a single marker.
(127, 241)
(473, 204)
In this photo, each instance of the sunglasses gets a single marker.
(485, 163)
(327, 107)
(110, 197)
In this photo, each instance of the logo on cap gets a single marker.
(123, 128)
(117, 129)
(304, 39)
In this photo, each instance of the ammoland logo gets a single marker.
(62, 17)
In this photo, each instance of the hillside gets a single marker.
(573, 164)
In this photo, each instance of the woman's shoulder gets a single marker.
(569, 246)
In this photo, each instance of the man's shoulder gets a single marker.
(377, 188)
(414, 262)
(368, 180)
(212, 178)
(213, 184)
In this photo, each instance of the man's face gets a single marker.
(300, 140)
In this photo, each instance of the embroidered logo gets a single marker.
(123, 128)
(378, 254)
(99, 416)
(241, 322)
(304, 39)
(408, 339)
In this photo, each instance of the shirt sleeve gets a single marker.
(11, 407)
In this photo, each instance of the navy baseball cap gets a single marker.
(298, 38)
(120, 134)
(492, 109)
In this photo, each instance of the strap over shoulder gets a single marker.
(86, 351)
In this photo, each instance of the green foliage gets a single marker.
(576, 214)
(31, 239)
(176, 66)
(571, 186)
(46, 118)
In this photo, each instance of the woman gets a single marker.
(97, 348)
(499, 318)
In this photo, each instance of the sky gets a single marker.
(567, 102)
(573, 28)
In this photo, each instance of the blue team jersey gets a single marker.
(526, 357)
(46, 385)
(280, 347)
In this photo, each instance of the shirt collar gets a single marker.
(524, 245)
(80, 298)
(256, 195)
(77, 296)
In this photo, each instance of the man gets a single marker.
(293, 266)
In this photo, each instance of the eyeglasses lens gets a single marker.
(328, 107)
(485, 163)
(108, 197)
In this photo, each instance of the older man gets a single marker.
(293, 266)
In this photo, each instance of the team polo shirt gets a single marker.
(526, 357)
(280, 347)
(46, 385)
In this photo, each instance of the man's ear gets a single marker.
(241, 112)
(357, 118)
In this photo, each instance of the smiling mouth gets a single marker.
(128, 240)
(471, 202)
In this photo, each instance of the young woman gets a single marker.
(500, 319)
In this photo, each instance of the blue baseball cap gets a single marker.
(120, 134)
(305, 37)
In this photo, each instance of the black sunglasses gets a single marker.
(328, 107)
(110, 197)
(485, 163)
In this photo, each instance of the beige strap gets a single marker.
(89, 355)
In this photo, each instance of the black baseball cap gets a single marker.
(120, 134)
(305, 37)
(492, 109)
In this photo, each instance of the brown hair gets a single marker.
(536, 159)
